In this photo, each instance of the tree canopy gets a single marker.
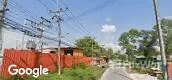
(88, 44)
(167, 26)
(143, 42)
(92, 48)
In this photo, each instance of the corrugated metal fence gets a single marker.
(30, 59)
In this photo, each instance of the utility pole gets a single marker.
(161, 41)
(2, 14)
(92, 47)
(41, 31)
(59, 19)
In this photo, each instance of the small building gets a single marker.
(65, 51)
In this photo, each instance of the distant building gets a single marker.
(65, 51)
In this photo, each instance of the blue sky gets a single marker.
(123, 14)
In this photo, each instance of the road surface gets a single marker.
(115, 74)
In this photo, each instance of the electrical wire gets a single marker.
(20, 8)
(16, 26)
(79, 27)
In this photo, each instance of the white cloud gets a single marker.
(168, 17)
(108, 19)
(113, 46)
(108, 28)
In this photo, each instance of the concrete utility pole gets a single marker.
(92, 47)
(41, 31)
(2, 14)
(161, 41)
(59, 19)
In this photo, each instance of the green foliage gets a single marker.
(79, 65)
(110, 53)
(16, 77)
(82, 65)
(122, 57)
(142, 42)
(167, 23)
(89, 73)
(89, 45)
(137, 42)
(141, 70)
(92, 48)
(147, 42)
(167, 29)
(128, 41)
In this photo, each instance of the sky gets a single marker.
(105, 20)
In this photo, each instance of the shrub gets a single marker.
(82, 65)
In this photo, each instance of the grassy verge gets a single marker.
(141, 70)
(88, 73)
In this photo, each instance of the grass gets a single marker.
(81, 73)
(141, 70)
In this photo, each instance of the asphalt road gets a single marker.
(113, 73)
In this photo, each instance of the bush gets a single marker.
(82, 65)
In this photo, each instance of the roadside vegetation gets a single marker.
(144, 43)
(91, 47)
(75, 73)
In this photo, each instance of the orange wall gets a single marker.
(25, 59)
(170, 70)
(78, 52)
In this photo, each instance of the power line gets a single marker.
(58, 19)
(28, 30)
(79, 27)
(74, 18)
(97, 8)
(27, 12)
(47, 31)
(94, 9)
(44, 5)
(15, 5)
(47, 8)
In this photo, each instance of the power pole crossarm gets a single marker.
(161, 41)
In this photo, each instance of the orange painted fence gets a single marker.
(170, 70)
(30, 59)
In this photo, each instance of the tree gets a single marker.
(148, 39)
(110, 53)
(167, 34)
(89, 45)
(167, 26)
(128, 41)
(141, 42)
